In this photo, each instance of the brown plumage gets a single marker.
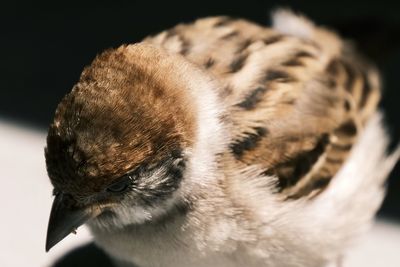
(296, 104)
(93, 141)
(221, 143)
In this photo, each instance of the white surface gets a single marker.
(25, 197)
(381, 247)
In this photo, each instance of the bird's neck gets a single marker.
(210, 136)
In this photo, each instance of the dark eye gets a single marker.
(120, 186)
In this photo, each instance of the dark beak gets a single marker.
(65, 217)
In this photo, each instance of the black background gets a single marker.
(45, 46)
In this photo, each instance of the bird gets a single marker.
(222, 142)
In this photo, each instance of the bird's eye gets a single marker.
(120, 186)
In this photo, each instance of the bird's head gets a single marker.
(127, 136)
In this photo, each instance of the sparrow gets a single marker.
(222, 143)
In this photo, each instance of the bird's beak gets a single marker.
(65, 217)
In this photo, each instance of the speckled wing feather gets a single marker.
(298, 96)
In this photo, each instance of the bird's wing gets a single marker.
(298, 95)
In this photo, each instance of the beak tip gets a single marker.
(64, 220)
(48, 246)
(50, 242)
(55, 235)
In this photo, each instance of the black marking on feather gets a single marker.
(342, 147)
(171, 33)
(230, 35)
(347, 105)
(334, 161)
(176, 153)
(290, 171)
(289, 101)
(253, 98)
(366, 90)
(243, 45)
(176, 172)
(273, 39)
(209, 63)
(333, 67)
(223, 22)
(311, 43)
(296, 60)
(348, 128)
(238, 63)
(248, 143)
(185, 47)
(330, 83)
(304, 54)
(227, 90)
(351, 75)
(320, 183)
(169, 180)
(279, 76)
(293, 62)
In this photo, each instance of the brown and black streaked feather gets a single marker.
(297, 103)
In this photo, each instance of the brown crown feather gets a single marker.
(122, 113)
